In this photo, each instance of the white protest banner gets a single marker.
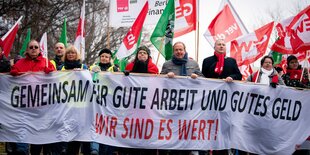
(140, 111)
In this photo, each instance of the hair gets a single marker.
(179, 42)
(218, 41)
(32, 40)
(264, 58)
(71, 48)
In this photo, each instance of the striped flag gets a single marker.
(79, 42)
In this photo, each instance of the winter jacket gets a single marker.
(28, 64)
(230, 68)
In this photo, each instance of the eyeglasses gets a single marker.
(33, 47)
(142, 53)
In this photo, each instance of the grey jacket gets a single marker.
(191, 67)
(250, 78)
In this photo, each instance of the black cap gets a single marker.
(105, 50)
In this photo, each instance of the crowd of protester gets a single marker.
(218, 66)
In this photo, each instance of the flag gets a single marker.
(294, 33)
(163, 33)
(79, 42)
(245, 70)
(63, 36)
(25, 43)
(226, 25)
(185, 17)
(130, 42)
(250, 47)
(43, 45)
(8, 39)
(277, 57)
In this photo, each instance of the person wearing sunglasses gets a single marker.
(33, 61)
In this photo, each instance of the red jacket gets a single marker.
(151, 67)
(32, 65)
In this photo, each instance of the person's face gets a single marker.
(220, 46)
(105, 58)
(59, 49)
(71, 55)
(33, 49)
(267, 64)
(179, 51)
(142, 55)
(293, 64)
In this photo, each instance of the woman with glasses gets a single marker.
(267, 74)
(142, 62)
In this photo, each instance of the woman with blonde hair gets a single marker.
(72, 60)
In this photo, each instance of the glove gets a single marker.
(273, 85)
(126, 73)
(15, 73)
(96, 69)
(47, 70)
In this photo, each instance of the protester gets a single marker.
(59, 50)
(72, 61)
(142, 62)
(180, 64)
(219, 66)
(104, 64)
(33, 62)
(267, 74)
(295, 75)
(5, 65)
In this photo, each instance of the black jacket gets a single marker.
(230, 68)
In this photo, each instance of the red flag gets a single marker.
(226, 25)
(249, 48)
(245, 70)
(302, 57)
(79, 42)
(294, 33)
(185, 17)
(130, 41)
(6, 42)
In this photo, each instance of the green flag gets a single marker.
(163, 32)
(63, 36)
(25, 43)
(277, 57)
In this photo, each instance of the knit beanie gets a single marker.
(105, 50)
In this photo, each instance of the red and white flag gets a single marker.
(43, 45)
(226, 25)
(250, 47)
(245, 70)
(6, 42)
(79, 42)
(294, 33)
(185, 17)
(129, 44)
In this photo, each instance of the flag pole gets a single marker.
(161, 47)
(197, 33)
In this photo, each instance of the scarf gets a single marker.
(295, 74)
(181, 62)
(220, 62)
(72, 64)
(104, 67)
(140, 66)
